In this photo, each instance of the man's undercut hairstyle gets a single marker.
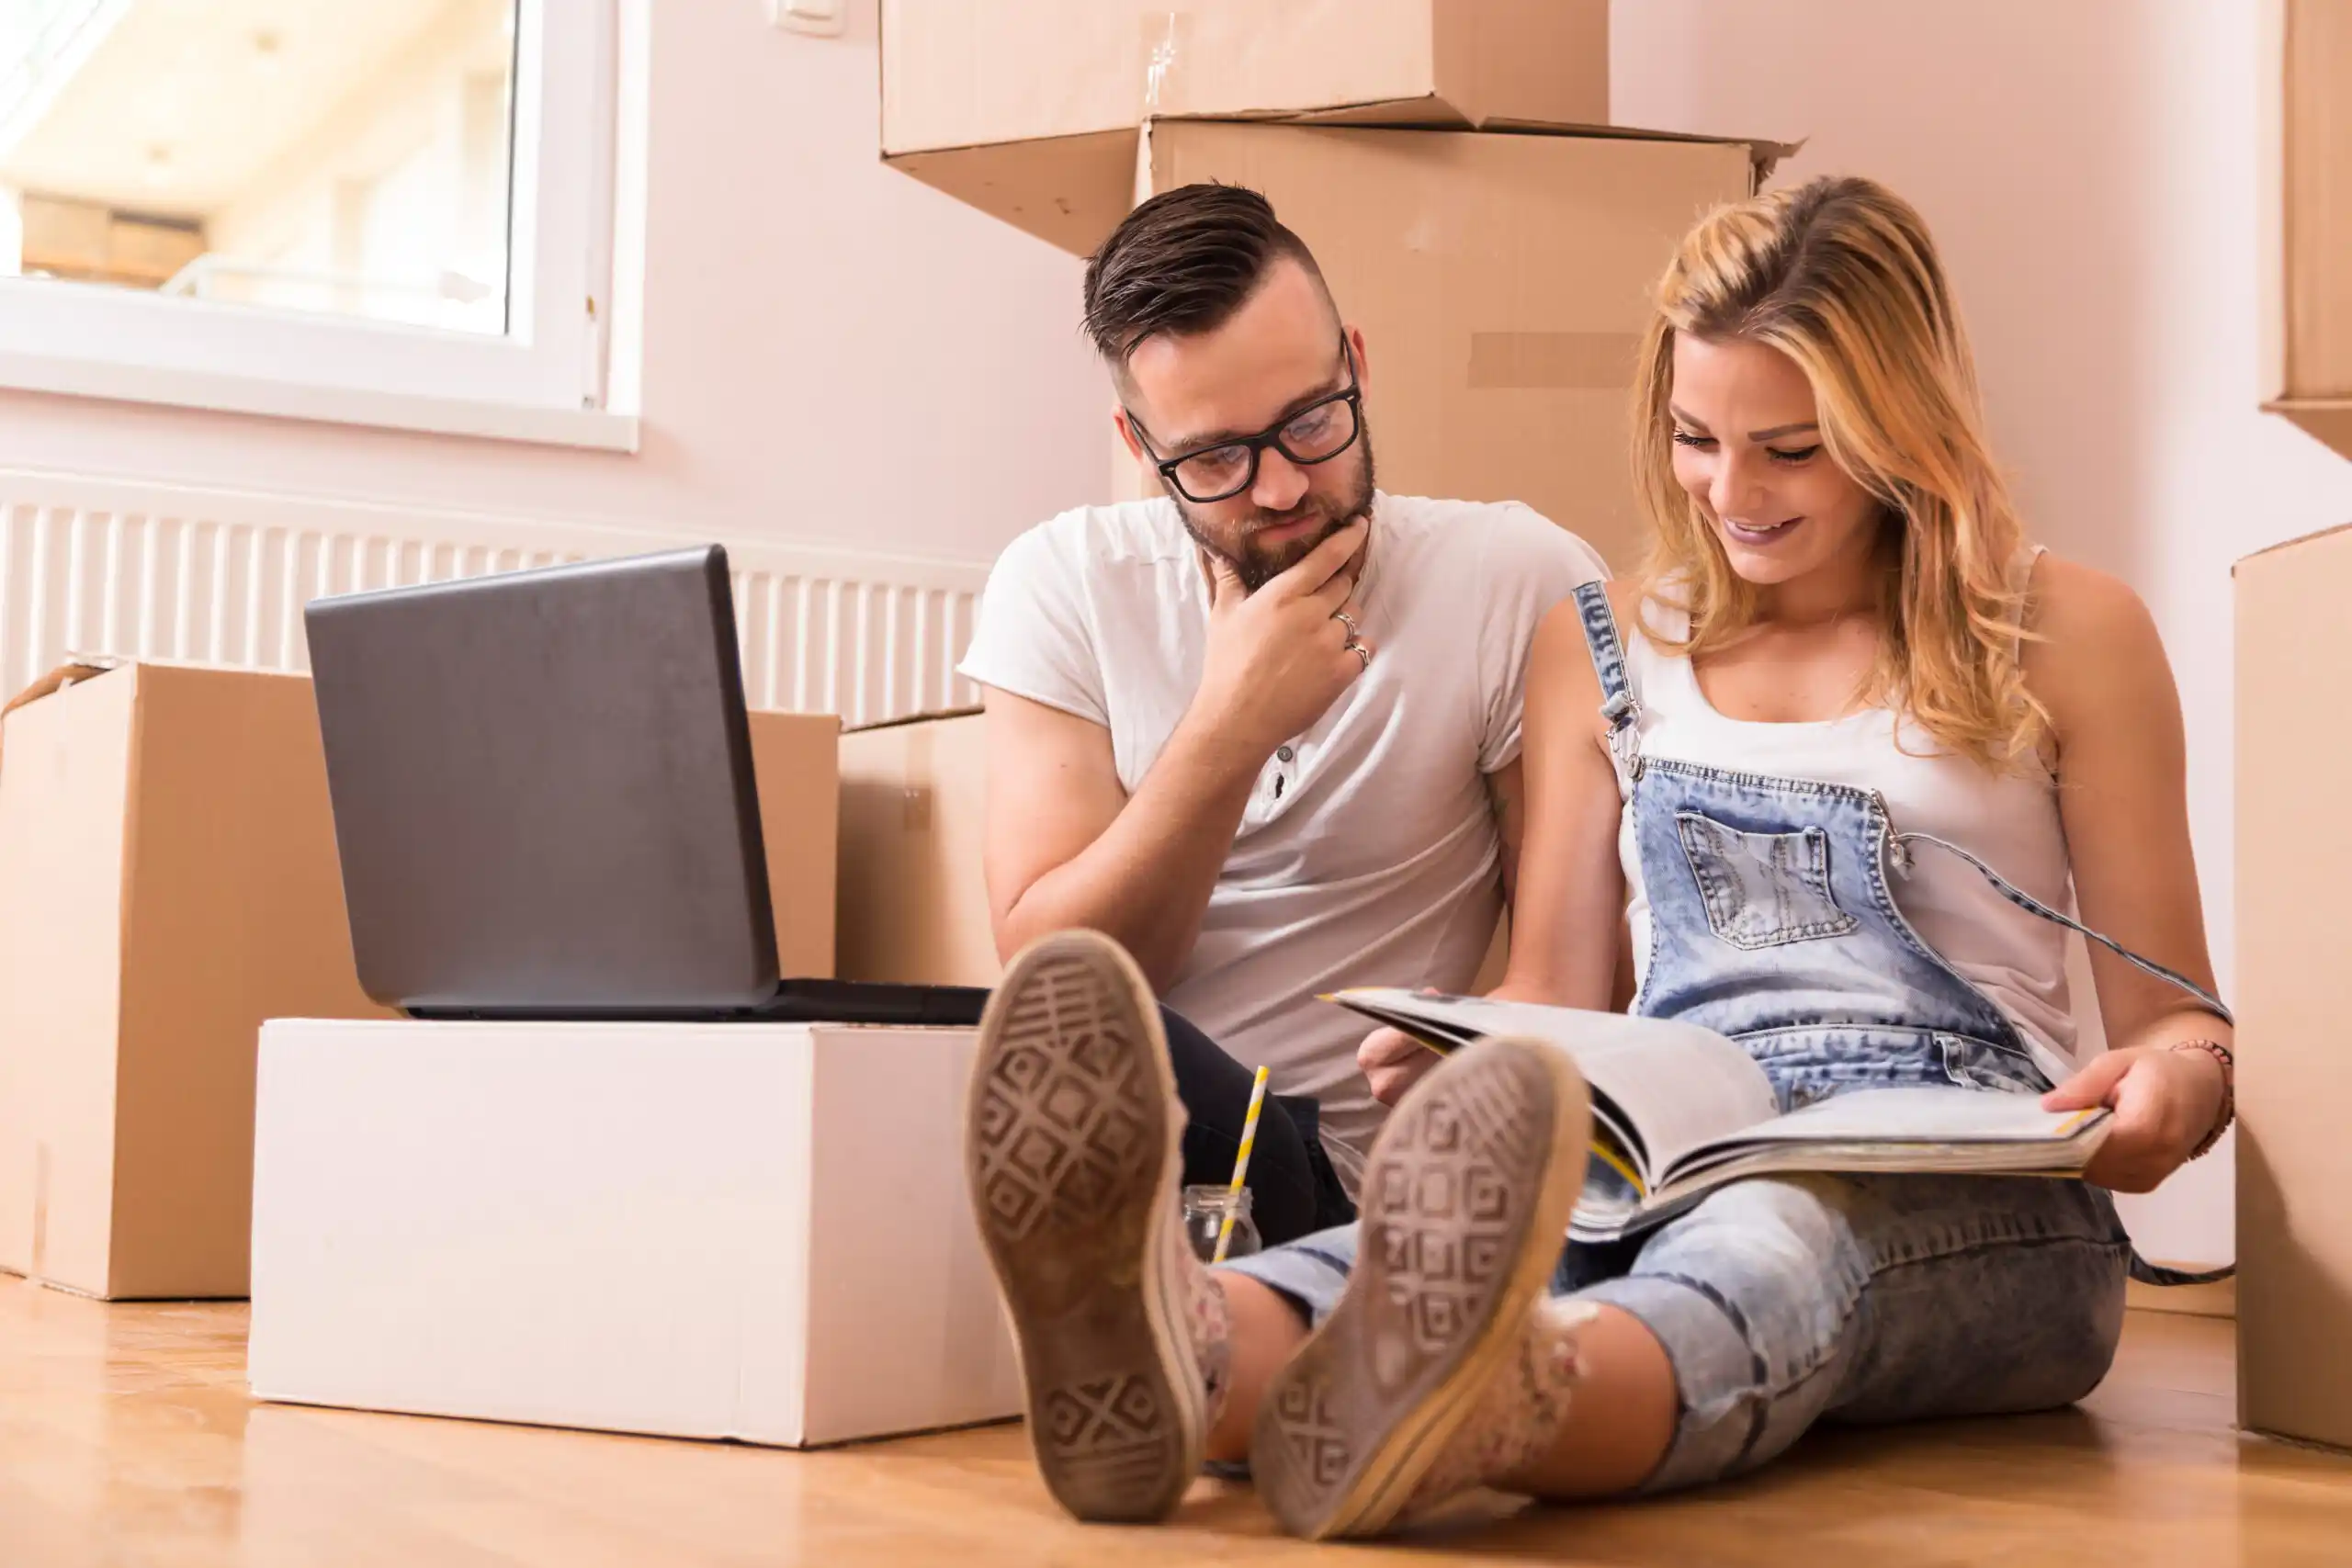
(1183, 262)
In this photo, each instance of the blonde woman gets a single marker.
(1843, 751)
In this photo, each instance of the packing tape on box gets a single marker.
(1596, 361)
(1163, 40)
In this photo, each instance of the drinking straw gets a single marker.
(1240, 1165)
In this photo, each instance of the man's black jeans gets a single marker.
(1293, 1191)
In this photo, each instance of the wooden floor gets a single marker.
(127, 1438)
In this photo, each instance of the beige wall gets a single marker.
(835, 353)
(2089, 169)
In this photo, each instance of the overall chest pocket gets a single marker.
(1761, 889)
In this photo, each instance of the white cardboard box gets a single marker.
(754, 1232)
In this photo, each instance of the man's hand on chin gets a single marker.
(1279, 658)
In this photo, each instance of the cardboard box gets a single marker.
(1502, 282)
(167, 880)
(2294, 1079)
(2306, 198)
(914, 903)
(1012, 107)
(795, 757)
(749, 1231)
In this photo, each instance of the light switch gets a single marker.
(823, 17)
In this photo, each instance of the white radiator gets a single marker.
(153, 571)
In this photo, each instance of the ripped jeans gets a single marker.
(1784, 1302)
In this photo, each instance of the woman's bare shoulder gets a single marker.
(2080, 611)
(2070, 603)
(2095, 644)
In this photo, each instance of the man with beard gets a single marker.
(1263, 729)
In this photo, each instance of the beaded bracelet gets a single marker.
(2220, 1053)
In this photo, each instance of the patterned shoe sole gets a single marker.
(1466, 1199)
(1072, 1154)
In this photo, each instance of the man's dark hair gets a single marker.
(1183, 262)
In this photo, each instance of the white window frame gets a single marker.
(546, 381)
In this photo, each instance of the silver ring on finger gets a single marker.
(1348, 621)
(1361, 651)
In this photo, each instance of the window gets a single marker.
(396, 212)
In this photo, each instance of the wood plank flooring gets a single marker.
(127, 1439)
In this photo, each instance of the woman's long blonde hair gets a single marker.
(1840, 276)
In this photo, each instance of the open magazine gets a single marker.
(1678, 1111)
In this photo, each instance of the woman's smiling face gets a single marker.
(1748, 449)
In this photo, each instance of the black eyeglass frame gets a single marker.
(1351, 395)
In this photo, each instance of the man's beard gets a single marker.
(1257, 565)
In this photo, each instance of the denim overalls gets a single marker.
(1782, 1302)
(1772, 923)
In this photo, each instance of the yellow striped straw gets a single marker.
(1240, 1165)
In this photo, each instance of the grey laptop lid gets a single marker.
(543, 791)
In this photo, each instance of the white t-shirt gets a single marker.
(1368, 853)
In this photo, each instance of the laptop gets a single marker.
(545, 806)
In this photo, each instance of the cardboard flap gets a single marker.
(1763, 156)
(2298, 541)
(1071, 191)
(929, 716)
(77, 667)
(2326, 420)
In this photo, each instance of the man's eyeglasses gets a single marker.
(1316, 434)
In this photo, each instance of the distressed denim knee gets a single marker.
(1782, 1302)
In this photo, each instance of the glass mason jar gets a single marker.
(1204, 1212)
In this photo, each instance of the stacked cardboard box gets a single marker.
(168, 882)
(2294, 1082)
(1034, 111)
(1448, 161)
(913, 906)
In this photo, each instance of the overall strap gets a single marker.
(2028, 902)
(1618, 705)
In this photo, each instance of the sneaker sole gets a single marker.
(1466, 1200)
(1073, 1154)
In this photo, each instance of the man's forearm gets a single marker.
(1147, 880)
